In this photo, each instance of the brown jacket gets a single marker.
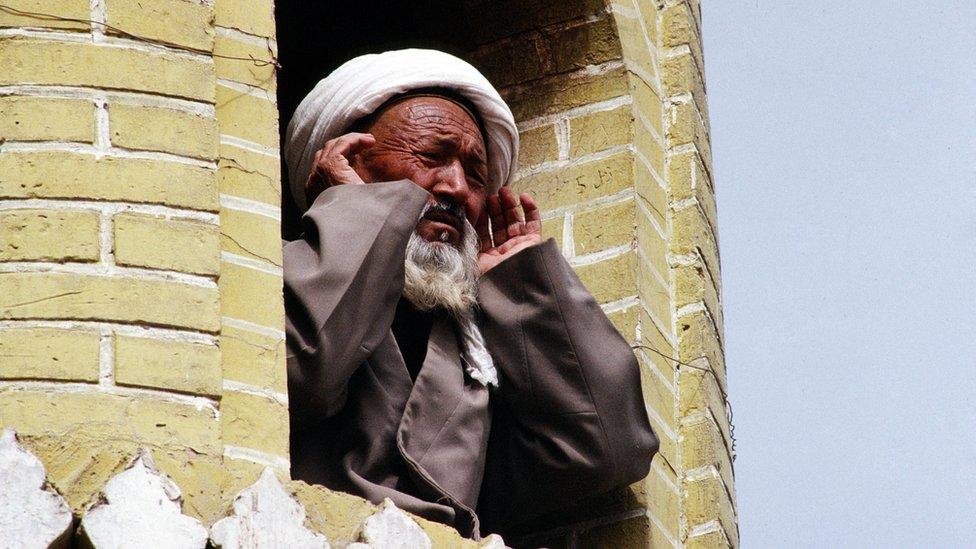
(567, 420)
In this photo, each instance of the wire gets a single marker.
(40, 16)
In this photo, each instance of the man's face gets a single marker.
(436, 144)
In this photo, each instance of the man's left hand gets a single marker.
(511, 231)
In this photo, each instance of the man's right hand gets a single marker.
(331, 166)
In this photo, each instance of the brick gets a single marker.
(247, 117)
(251, 295)
(634, 44)
(254, 65)
(688, 178)
(47, 353)
(647, 100)
(699, 394)
(661, 495)
(653, 246)
(564, 92)
(657, 348)
(692, 234)
(703, 444)
(156, 242)
(249, 175)
(553, 228)
(592, 42)
(579, 183)
(167, 364)
(625, 322)
(49, 235)
(680, 74)
(713, 539)
(651, 147)
(650, 193)
(250, 16)
(165, 130)
(254, 422)
(45, 119)
(509, 17)
(604, 227)
(511, 62)
(698, 339)
(706, 499)
(70, 175)
(649, 12)
(634, 532)
(689, 127)
(692, 284)
(33, 61)
(655, 296)
(179, 22)
(253, 359)
(250, 235)
(538, 145)
(599, 131)
(658, 395)
(102, 418)
(681, 27)
(89, 297)
(69, 9)
(336, 514)
(610, 279)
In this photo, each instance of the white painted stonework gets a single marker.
(391, 528)
(493, 541)
(30, 515)
(141, 508)
(266, 516)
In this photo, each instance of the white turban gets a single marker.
(363, 84)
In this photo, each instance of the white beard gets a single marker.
(439, 275)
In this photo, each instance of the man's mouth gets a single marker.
(445, 217)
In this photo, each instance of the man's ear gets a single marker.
(358, 161)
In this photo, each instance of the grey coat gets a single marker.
(567, 420)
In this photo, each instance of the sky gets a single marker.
(844, 144)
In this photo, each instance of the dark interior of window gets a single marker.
(315, 37)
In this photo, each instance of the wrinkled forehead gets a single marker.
(427, 107)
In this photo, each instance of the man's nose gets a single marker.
(451, 181)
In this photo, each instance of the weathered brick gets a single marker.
(698, 394)
(70, 175)
(634, 44)
(713, 539)
(247, 16)
(100, 418)
(688, 126)
(590, 42)
(249, 175)
(166, 130)
(647, 101)
(634, 532)
(336, 514)
(172, 244)
(250, 235)
(251, 295)
(88, 297)
(688, 178)
(512, 61)
(604, 227)
(253, 64)
(610, 279)
(68, 9)
(47, 353)
(702, 444)
(538, 145)
(254, 422)
(706, 499)
(581, 182)
(651, 147)
(253, 359)
(692, 283)
(652, 244)
(681, 27)
(553, 228)
(600, 130)
(33, 61)
(166, 364)
(680, 74)
(564, 92)
(692, 234)
(509, 17)
(658, 395)
(662, 497)
(625, 322)
(654, 295)
(247, 117)
(179, 22)
(698, 338)
(49, 235)
(46, 119)
(650, 193)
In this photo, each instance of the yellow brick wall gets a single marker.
(141, 265)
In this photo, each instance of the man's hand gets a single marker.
(510, 231)
(331, 166)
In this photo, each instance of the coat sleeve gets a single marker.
(571, 420)
(342, 281)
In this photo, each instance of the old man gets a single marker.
(439, 352)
